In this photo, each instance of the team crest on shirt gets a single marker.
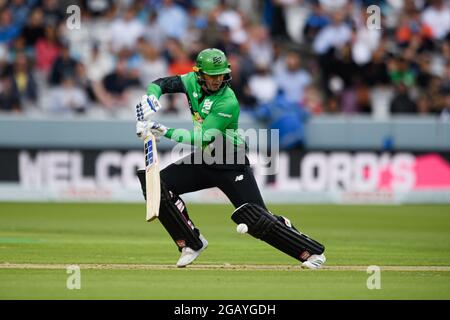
(207, 106)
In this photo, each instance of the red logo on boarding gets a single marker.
(181, 243)
(305, 255)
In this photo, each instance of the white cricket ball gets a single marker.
(242, 228)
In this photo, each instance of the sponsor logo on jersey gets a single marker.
(207, 106)
(226, 115)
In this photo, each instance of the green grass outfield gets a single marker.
(123, 257)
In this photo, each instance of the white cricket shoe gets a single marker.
(188, 255)
(314, 262)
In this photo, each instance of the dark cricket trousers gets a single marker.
(236, 181)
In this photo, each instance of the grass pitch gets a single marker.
(123, 257)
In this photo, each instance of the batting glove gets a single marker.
(147, 107)
(143, 127)
(157, 129)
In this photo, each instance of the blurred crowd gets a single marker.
(288, 57)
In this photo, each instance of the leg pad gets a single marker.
(276, 231)
(174, 217)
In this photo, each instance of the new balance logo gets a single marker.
(239, 178)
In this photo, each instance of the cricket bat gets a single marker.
(152, 184)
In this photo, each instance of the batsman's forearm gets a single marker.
(187, 137)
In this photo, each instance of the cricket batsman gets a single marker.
(215, 114)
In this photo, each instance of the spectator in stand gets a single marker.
(400, 72)
(47, 50)
(212, 31)
(231, 19)
(5, 66)
(261, 48)
(9, 29)
(424, 104)
(445, 85)
(225, 43)
(355, 98)
(20, 9)
(126, 30)
(34, 29)
(100, 64)
(153, 66)
(68, 98)
(64, 64)
(97, 8)
(330, 44)
(172, 19)
(445, 49)
(53, 14)
(24, 81)
(316, 20)
(421, 68)
(243, 67)
(334, 35)
(116, 85)
(292, 78)
(445, 111)
(274, 18)
(19, 46)
(334, 5)
(312, 100)
(437, 16)
(262, 84)
(435, 92)
(402, 103)
(9, 96)
(181, 62)
(376, 72)
(411, 31)
(156, 35)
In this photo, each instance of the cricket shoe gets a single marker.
(188, 255)
(314, 262)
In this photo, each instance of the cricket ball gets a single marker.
(242, 228)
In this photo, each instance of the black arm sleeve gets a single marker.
(170, 84)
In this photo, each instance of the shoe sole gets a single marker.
(303, 266)
(307, 265)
